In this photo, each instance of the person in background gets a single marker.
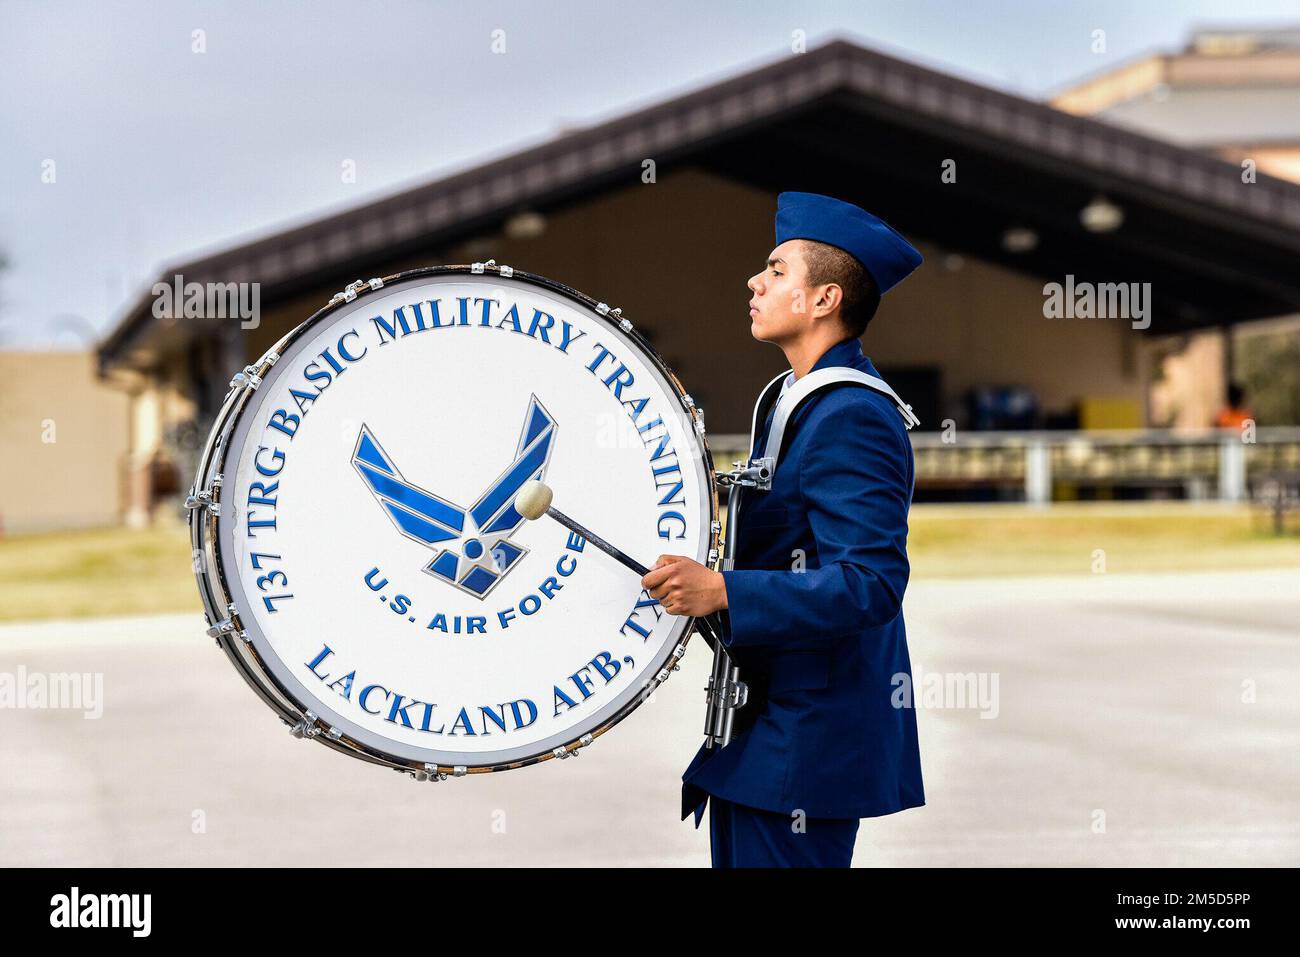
(1235, 414)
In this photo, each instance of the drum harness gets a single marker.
(725, 692)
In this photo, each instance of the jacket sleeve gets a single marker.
(856, 486)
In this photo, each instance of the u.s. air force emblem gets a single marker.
(483, 552)
(364, 563)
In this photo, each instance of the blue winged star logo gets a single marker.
(472, 546)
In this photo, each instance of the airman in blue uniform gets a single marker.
(812, 611)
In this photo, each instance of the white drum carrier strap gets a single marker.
(790, 400)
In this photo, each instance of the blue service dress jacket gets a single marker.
(815, 620)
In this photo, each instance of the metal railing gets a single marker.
(1211, 463)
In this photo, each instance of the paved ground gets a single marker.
(1139, 720)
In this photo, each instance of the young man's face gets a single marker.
(779, 308)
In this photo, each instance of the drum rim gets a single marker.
(223, 617)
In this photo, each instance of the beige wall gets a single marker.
(157, 407)
(1191, 386)
(63, 439)
(984, 325)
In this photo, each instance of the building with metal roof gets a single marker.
(666, 211)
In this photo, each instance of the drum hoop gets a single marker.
(223, 618)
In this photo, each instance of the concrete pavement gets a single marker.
(1138, 720)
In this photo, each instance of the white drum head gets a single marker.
(367, 539)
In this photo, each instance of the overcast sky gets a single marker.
(160, 152)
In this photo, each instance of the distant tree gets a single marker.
(1268, 365)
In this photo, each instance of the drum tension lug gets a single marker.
(676, 662)
(252, 375)
(696, 413)
(576, 751)
(207, 498)
(615, 314)
(306, 726)
(430, 773)
(351, 289)
(202, 499)
(230, 625)
(248, 379)
(269, 358)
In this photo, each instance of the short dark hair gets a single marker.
(827, 264)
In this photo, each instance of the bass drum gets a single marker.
(356, 543)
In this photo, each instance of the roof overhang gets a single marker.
(868, 128)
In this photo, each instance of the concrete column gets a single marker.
(1232, 469)
(1038, 473)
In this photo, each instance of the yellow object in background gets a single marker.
(1101, 412)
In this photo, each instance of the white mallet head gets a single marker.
(533, 500)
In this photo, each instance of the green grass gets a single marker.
(967, 541)
(113, 571)
(130, 572)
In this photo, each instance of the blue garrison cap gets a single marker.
(879, 247)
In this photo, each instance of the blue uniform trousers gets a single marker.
(741, 836)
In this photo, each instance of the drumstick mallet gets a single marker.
(534, 501)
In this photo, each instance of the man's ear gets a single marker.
(828, 300)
